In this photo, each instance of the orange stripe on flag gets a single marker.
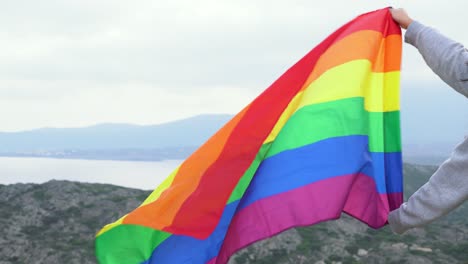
(339, 53)
(185, 182)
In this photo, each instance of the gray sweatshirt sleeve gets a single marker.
(447, 58)
(448, 187)
(445, 190)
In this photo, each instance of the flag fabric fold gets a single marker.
(321, 140)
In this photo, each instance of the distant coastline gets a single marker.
(175, 153)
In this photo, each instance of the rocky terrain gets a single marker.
(55, 222)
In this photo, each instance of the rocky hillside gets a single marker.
(55, 222)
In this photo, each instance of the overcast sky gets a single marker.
(77, 63)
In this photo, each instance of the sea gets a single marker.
(133, 174)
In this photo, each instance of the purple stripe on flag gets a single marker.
(354, 194)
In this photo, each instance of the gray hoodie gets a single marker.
(448, 187)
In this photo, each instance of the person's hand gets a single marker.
(401, 17)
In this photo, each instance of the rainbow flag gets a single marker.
(321, 140)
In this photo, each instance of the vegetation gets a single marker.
(56, 222)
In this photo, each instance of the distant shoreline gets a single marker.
(144, 157)
(87, 159)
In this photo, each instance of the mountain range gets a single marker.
(181, 133)
(172, 140)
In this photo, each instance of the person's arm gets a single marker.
(445, 190)
(447, 58)
(448, 187)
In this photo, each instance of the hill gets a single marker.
(55, 222)
(181, 133)
(172, 140)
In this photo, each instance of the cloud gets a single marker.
(70, 58)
